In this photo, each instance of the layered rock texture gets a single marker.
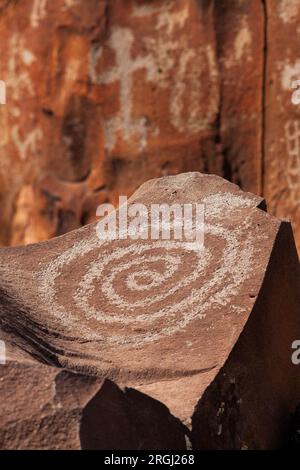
(152, 344)
(103, 95)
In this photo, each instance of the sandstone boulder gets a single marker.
(205, 332)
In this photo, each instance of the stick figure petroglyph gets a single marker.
(2, 352)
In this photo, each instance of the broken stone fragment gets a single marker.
(205, 332)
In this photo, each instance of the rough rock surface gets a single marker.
(206, 333)
(102, 96)
(71, 411)
(282, 127)
(239, 27)
(294, 434)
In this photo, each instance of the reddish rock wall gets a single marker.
(282, 130)
(102, 96)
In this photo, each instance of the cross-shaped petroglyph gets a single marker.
(292, 134)
(121, 41)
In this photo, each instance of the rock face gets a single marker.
(239, 29)
(282, 134)
(294, 441)
(70, 411)
(205, 332)
(102, 96)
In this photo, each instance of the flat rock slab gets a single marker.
(209, 328)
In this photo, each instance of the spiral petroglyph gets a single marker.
(132, 292)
